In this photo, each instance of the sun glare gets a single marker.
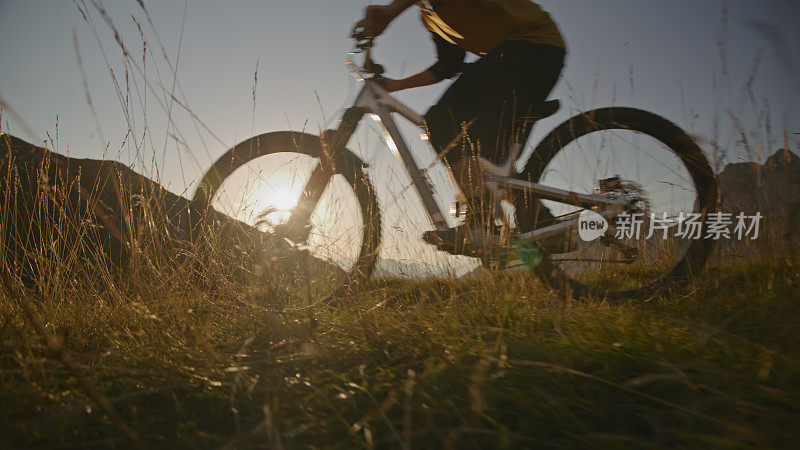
(275, 200)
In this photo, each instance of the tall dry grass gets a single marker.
(158, 345)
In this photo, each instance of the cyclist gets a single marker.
(521, 56)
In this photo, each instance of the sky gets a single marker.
(662, 56)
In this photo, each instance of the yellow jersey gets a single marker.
(478, 26)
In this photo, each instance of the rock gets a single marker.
(59, 215)
(772, 189)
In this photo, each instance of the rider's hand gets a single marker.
(376, 19)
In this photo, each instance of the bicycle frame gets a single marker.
(375, 100)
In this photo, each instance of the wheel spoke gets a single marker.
(655, 176)
(336, 217)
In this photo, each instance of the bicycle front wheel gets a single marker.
(260, 181)
(651, 161)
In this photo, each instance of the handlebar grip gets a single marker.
(372, 67)
(377, 69)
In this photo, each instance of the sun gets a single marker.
(274, 201)
(279, 197)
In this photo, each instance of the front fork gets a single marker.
(296, 228)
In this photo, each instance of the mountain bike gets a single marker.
(614, 162)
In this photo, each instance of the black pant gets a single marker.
(494, 91)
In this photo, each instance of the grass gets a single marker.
(497, 361)
(155, 358)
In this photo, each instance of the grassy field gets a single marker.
(153, 358)
(498, 361)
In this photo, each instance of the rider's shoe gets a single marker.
(476, 236)
(464, 239)
(472, 239)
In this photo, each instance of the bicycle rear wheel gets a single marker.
(664, 173)
(259, 182)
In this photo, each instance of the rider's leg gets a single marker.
(481, 204)
(489, 95)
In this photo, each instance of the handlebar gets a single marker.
(364, 44)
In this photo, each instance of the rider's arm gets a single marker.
(401, 5)
(424, 78)
(450, 58)
(450, 62)
(378, 17)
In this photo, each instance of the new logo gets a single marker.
(591, 225)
